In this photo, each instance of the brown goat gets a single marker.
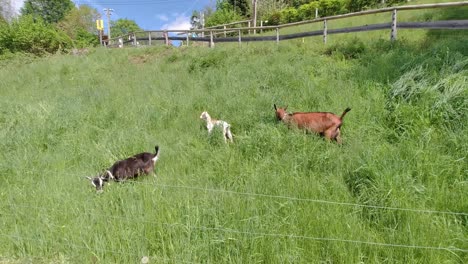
(324, 123)
(129, 168)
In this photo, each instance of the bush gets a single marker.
(222, 16)
(85, 39)
(289, 15)
(331, 7)
(307, 11)
(273, 19)
(32, 36)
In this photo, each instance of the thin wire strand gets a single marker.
(84, 247)
(304, 199)
(292, 236)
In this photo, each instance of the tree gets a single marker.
(195, 20)
(267, 8)
(80, 25)
(124, 26)
(51, 11)
(242, 7)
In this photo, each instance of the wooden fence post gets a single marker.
(249, 27)
(240, 40)
(325, 29)
(134, 40)
(261, 25)
(393, 34)
(166, 38)
(316, 12)
(277, 35)
(211, 40)
(187, 39)
(224, 30)
(149, 39)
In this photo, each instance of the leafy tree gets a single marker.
(123, 26)
(240, 6)
(266, 8)
(222, 16)
(195, 20)
(297, 3)
(51, 11)
(80, 25)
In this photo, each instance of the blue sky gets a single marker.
(148, 14)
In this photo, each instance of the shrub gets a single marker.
(331, 7)
(289, 15)
(33, 36)
(222, 16)
(85, 39)
(307, 11)
(273, 19)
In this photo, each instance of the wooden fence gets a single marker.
(209, 35)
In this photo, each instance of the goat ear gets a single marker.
(274, 106)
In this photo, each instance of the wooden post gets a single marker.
(149, 39)
(240, 41)
(254, 19)
(187, 39)
(166, 38)
(211, 40)
(249, 26)
(325, 29)
(134, 40)
(224, 30)
(316, 12)
(261, 25)
(277, 35)
(393, 34)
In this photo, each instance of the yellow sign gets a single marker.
(99, 24)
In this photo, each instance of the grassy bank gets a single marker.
(276, 195)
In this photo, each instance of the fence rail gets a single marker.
(210, 35)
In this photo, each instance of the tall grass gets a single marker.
(259, 199)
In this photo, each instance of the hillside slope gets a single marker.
(394, 192)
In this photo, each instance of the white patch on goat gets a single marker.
(110, 174)
(156, 157)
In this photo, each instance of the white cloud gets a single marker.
(162, 17)
(179, 21)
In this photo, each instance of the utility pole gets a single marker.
(108, 14)
(254, 9)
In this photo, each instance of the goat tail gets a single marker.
(156, 153)
(344, 112)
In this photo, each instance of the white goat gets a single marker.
(211, 123)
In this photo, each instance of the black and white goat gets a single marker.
(139, 164)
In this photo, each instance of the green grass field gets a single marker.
(394, 192)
